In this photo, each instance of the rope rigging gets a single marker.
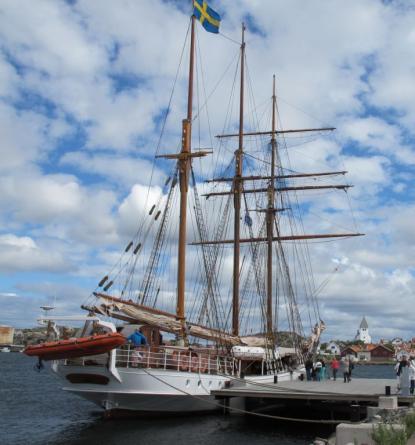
(145, 272)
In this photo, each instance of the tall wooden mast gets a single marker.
(271, 213)
(237, 197)
(184, 162)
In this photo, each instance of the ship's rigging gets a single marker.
(255, 215)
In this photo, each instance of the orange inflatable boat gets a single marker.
(76, 347)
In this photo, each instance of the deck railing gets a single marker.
(185, 361)
(128, 356)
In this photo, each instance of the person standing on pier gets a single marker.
(323, 371)
(318, 370)
(412, 375)
(309, 369)
(344, 366)
(404, 376)
(397, 367)
(351, 366)
(335, 365)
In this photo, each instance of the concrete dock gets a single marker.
(357, 391)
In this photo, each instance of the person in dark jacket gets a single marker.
(344, 366)
(309, 369)
(351, 367)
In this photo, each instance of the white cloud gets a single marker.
(27, 137)
(23, 254)
(121, 170)
(134, 207)
(8, 294)
(8, 78)
(376, 135)
(391, 81)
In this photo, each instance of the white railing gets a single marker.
(127, 356)
(203, 361)
(185, 361)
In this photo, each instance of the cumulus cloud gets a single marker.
(23, 254)
(133, 208)
(121, 170)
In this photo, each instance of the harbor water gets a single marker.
(33, 410)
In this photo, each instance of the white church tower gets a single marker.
(363, 332)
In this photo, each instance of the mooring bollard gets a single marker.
(355, 413)
(275, 379)
(225, 406)
(387, 390)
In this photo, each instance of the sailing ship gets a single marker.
(243, 232)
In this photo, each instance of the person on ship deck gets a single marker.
(137, 338)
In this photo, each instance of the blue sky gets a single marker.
(83, 89)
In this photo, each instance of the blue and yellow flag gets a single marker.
(209, 19)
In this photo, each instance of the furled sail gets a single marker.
(165, 321)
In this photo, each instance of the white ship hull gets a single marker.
(147, 391)
(154, 391)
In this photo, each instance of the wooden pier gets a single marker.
(365, 391)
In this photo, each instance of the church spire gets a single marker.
(363, 332)
(363, 324)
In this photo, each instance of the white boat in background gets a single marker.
(5, 349)
(208, 342)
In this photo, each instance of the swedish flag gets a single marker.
(209, 19)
